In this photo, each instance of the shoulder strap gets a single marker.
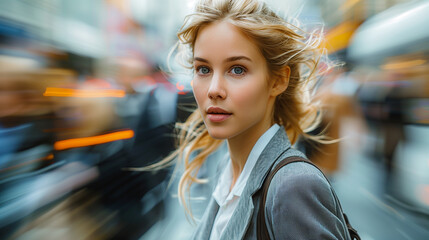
(262, 231)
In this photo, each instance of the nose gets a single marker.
(217, 87)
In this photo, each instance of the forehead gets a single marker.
(222, 40)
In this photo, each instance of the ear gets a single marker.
(281, 83)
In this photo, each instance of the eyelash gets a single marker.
(198, 68)
(238, 66)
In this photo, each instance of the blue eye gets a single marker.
(203, 70)
(237, 70)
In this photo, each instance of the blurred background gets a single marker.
(83, 97)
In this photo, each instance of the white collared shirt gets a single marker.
(228, 200)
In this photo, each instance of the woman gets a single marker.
(252, 78)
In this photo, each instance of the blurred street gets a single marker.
(371, 210)
(87, 98)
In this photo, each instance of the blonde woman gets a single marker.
(252, 76)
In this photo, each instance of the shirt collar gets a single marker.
(221, 193)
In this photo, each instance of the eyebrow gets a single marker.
(230, 59)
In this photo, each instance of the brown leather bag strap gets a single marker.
(262, 230)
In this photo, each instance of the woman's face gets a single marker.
(231, 83)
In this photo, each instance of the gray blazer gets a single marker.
(300, 203)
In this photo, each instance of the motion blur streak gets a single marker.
(338, 37)
(406, 64)
(83, 93)
(49, 157)
(425, 194)
(86, 92)
(88, 141)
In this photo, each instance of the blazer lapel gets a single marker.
(205, 226)
(238, 224)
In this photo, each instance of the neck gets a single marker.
(242, 144)
(239, 149)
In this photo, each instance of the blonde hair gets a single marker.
(282, 45)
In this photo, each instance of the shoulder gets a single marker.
(301, 202)
(300, 172)
(300, 198)
(301, 180)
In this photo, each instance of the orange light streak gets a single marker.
(404, 64)
(95, 140)
(83, 93)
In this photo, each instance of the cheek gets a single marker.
(199, 91)
(253, 95)
(251, 100)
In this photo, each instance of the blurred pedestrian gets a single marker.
(252, 78)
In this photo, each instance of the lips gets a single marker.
(216, 114)
(217, 110)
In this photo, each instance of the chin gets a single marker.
(218, 134)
